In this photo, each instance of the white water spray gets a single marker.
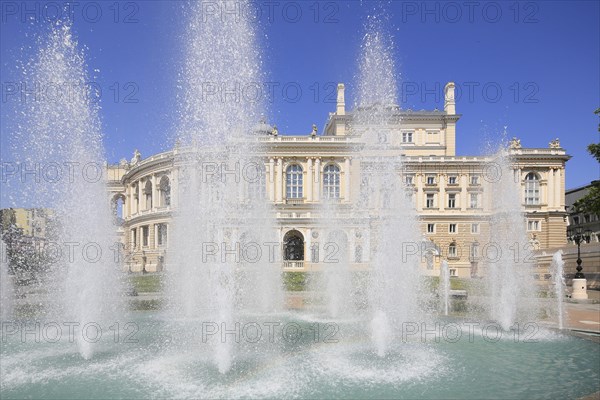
(557, 267)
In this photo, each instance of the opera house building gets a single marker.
(451, 193)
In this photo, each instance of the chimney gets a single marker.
(340, 108)
(449, 103)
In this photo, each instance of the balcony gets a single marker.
(294, 201)
(293, 264)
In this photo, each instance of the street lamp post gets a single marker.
(578, 236)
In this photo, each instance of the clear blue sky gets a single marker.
(544, 57)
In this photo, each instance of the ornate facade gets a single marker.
(450, 193)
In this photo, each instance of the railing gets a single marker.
(299, 200)
(296, 264)
(559, 151)
(303, 139)
(153, 210)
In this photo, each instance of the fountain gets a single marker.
(335, 282)
(7, 293)
(62, 129)
(221, 293)
(222, 212)
(394, 285)
(445, 286)
(557, 268)
(510, 266)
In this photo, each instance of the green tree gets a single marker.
(590, 203)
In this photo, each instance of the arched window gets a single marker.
(532, 188)
(452, 250)
(331, 182)
(165, 191)
(148, 194)
(294, 182)
(118, 201)
(293, 246)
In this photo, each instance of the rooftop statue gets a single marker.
(515, 143)
(137, 157)
(554, 144)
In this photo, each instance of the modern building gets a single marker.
(450, 192)
(585, 221)
(31, 222)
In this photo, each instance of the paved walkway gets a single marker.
(584, 316)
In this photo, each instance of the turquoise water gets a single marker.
(335, 362)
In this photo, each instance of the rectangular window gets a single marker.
(533, 225)
(474, 200)
(162, 234)
(409, 180)
(430, 228)
(294, 177)
(257, 186)
(134, 238)
(452, 200)
(429, 200)
(145, 235)
(576, 220)
(587, 218)
(452, 228)
(430, 179)
(474, 179)
(474, 228)
(452, 180)
(407, 137)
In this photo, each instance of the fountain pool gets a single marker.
(546, 364)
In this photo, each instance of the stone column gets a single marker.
(347, 179)
(155, 197)
(271, 182)
(126, 203)
(550, 189)
(140, 196)
(131, 200)
(520, 185)
(308, 250)
(558, 189)
(419, 194)
(279, 181)
(156, 236)
(309, 180)
(317, 181)
(174, 182)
